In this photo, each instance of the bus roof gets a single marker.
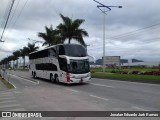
(53, 46)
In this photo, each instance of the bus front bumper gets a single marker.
(81, 80)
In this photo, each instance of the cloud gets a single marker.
(134, 15)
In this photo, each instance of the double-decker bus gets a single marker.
(66, 63)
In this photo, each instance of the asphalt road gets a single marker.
(99, 95)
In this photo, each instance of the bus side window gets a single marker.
(52, 52)
(41, 66)
(62, 64)
(61, 50)
(53, 67)
(57, 50)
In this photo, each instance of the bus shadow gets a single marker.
(62, 84)
(74, 84)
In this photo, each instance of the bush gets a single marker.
(113, 71)
(124, 72)
(135, 72)
(152, 73)
(92, 71)
(147, 73)
(157, 73)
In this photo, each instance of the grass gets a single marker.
(126, 76)
(6, 83)
(126, 69)
(129, 77)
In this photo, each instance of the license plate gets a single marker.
(81, 81)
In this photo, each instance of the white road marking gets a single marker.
(99, 97)
(8, 106)
(12, 84)
(102, 85)
(8, 93)
(135, 107)
(71, 90)
(127, 82)
(17, 109)
(7, 98)
(17, 92)
(25, 79)
(7, 101)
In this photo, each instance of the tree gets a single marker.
(51, 36)
(24, 52)
(16, 55)
(9, 59)
(69, 29)
(6, 61)
(31, 48)
(3, 62)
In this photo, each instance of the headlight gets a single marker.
(72, 76)
(88, 74)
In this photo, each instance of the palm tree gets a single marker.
(3, 61)
(6, 61)
(51, 36)
(69, 29)
(10, 58)
(31, 48)
(24, 52)
(16, 54)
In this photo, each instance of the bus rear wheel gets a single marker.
(56, 79)
(34, 75)
(52, 78)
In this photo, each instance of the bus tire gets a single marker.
(34, 75)
(52, 78)
(56, 78)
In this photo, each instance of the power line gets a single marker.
(20, 13)
(147, 40)
(13, 13)
(7, 20)
(133, 32)
(5, 13)
(18, 16)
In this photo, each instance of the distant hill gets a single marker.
(99, 61)
(135, 60)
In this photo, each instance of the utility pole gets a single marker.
(7, 20)
(103, 7)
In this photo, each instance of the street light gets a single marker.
(35, 41)
(104, 11)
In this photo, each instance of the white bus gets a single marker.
(66, 63)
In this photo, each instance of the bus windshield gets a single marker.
(79, 66)
(72, 50)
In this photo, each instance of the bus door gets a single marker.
(63, 68)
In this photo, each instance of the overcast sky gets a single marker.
(123, 35)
